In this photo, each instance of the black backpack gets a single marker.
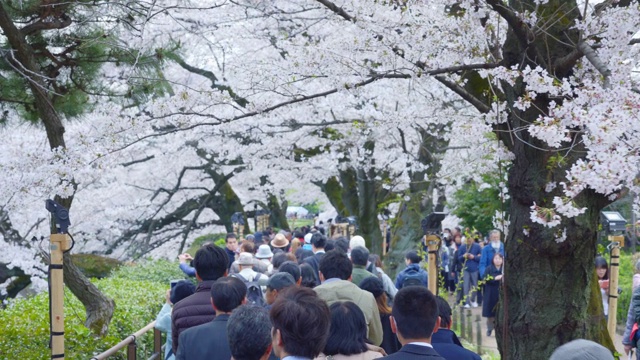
(412, 277)
(254, 290)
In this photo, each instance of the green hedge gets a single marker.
(138, 290)
(625, 282)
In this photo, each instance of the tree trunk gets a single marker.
(96, 304)
(277, 213)
(369, 225)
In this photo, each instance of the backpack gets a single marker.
(412, 278)
(254, 290)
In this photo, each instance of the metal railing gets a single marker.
(130, 343)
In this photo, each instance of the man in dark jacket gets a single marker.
(469, 257)
(209, 341)
(211, 263)
(445, 341)
(318, 242)
(414, 318)
(231, 247)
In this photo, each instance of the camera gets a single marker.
(60, 214)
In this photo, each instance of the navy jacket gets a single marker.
(207, 341)
(471, 265)
(417, 352)
(488, 252)
(447, 344)
(314, 262)
(231, 255)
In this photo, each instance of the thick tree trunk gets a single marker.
(96, 304)
(368, 211)
(277, 213)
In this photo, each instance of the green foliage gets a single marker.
(138, 291)
(476, 208)
(95, 266)
(217, 239)
(625, 283)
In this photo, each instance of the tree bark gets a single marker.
(99, 307)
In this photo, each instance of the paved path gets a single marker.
(489, 343)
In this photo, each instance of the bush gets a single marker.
(625, 283)
(138, 291)
(218, 239)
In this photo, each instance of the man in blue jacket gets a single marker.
(489, 251)
(445, 341)
(413, 274)
(469, 256)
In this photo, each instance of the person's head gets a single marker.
(412, 257)
(342, 243)
(357, 241)
(251, 238)
(494, 238)
(303, 254)
(318, 241)
(279, 259)
(468, 240)
(359, 256)
(414, 316)
(581, 350)
(295, 245)
(444, 311)
(277, 282)
(308, 276)
(457, 238)
(181, 290)
(498, 260)
(300, 322)
(348, 331)
(232, 241)
(292, 268)
(335, 264)
(264, 252)
(227, 294)
(331, 244)
(211, 263)
(248, 247)
(249, 333)
(374, 285)
(245, 260)
(375, 260)
(602, 268)
(280, 242)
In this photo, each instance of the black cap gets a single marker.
(280, 280)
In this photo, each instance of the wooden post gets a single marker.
(462, 324)
(432, 242)
(59, 243)
(479, 334)
(131, 350)
(157, 343)
(616, 243)
(470, 327)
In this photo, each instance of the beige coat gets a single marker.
(343, 290)
(373, 353)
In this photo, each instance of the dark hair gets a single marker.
(359, 256)
(304, 253)
(375, 260)
(374, 285)
(228, 293)
(336, 264)
(413, 257)
(601, 263)
(444, 311)
(348, 333)
(303, 321)
(318, 240)
(292, 268)
(279, 259)
(249, 332)
(230, 236)
(308, 275)
(181, 290)
(331, 244)
(211, 262)
(415, 311)
(342, 243)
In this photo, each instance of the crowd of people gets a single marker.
(293, 296)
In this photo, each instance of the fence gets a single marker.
(464, 323)
(130, 343)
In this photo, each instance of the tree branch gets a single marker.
(477, 103)
(336, 9)
(595, 60)
(62, 22)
